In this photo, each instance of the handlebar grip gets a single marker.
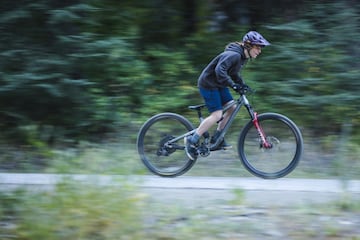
(245, 89)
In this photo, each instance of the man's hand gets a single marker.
(238, 87)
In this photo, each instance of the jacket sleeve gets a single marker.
(222, 69)
(237, 78)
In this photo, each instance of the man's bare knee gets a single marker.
(217, 115)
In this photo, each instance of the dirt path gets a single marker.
(281, 192)
(285, 191)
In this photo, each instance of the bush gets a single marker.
(74, 210)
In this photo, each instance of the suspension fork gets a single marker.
(255, 121)
(261, 133)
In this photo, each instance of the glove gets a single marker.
(238, 87)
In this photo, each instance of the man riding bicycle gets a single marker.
(223, 72)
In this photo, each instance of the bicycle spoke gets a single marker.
(158, 150)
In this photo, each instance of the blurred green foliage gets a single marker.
(73, 211)
(76, 69)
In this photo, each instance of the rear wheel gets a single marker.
(284, 152)
(157, 148)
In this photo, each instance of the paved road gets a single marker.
(200, 190)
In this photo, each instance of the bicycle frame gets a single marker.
(241, 101)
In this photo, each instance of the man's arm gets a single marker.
(237, 79)
(222, 69)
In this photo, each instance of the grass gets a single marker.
(121, 157)
(121, 211)
(317, 162)
(74, 210)
(111, 158)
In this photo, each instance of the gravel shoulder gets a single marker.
(292, 209)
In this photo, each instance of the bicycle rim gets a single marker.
(158, 156)
(282, 157)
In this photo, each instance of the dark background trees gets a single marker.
(78, 69)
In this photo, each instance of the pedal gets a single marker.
(204, 150)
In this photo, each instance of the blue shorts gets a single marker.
(215, 99)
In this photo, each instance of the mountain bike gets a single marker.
(270, 145)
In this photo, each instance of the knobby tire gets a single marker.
(160, 159)
(286, 151)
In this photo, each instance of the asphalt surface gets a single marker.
(205, 190)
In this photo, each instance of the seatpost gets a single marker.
(199, 114)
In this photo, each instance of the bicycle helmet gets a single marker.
(255, 38)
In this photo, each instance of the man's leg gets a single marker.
(226, 116)
(208, 122)
(205, 125)
(221, 126)
(213, 100)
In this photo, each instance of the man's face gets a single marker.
(255, 51)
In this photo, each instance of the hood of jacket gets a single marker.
(223, 70)
(235, 47)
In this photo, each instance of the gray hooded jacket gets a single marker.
(223, 70)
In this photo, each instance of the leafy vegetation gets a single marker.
(79, 68)
(119, 211)
(76, 72)
(72, 210)
(93, 71)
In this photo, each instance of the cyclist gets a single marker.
(223, 72)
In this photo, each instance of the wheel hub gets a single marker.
(164, 148)
(270, 143)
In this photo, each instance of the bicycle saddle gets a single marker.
(196, 107)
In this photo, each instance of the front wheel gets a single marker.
(284, 150)
(160, 144)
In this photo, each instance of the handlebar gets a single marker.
(245, 89)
